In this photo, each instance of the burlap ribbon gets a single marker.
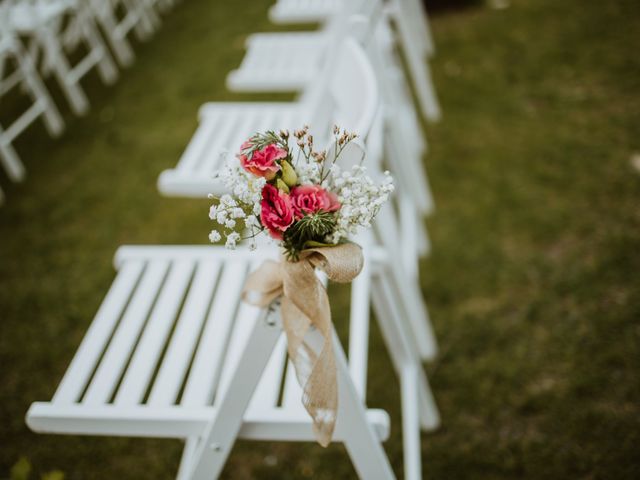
(305, 304)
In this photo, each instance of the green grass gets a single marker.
(533, 284)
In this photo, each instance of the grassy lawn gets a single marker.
(533, 284)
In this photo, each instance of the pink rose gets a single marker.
(277, 213)
(307, 199)
(262, 162)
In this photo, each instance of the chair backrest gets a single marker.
(395, 226)
(405, 143)
(346, 73)
(354, 90)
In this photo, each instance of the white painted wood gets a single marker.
(292, 394)
(267, 392)
(193, 175)
(245, 353)
(113, 363)
(303, 11)
(178, 422)
(98, 335)
(207, 364)
(359, 322)
(211, 158)
(279, 425)
(401, 345)
(221, 432)
(414, 35)
(41, 22)
(410, 424)
(171, 421)
(183, 341)
(198, 145)
(114, 29)
(365, 449)
(239, 337)
(147, 353)
(418, 68)
(42, 105)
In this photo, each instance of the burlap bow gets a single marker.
(305, 303)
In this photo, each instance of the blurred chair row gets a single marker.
(173, 352)
(65, 39)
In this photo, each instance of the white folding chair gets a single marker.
(286, 12)
(134, 17)
(43, 23)
(23, 73)
(283, 70)
(289, 61)
(225, 125)
(215, 356)
(185, 302)
(172, 353)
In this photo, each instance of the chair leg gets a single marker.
(409, 232)
(10, 160)
(214, 446)
(421, 21)
(402, 351)
(62, 70)
(418, 406)
(429, 413)
(52, 119)
(414, 311)
(187, 455)
(410, 424)
(152, 17)
(106, 68)
(118, 41)
(363, 445)
(424, 88)
(143, 27)
(424, 242)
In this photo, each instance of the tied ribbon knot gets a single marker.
(305, 304)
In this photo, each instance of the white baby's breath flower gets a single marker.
(230, 223)
(251, 221)
(214, 236)
(237, 213)
(232, 240)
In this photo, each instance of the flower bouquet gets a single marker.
(300, 198)
(279, 183)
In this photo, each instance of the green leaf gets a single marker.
(314, 244)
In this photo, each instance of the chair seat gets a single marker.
(279, 61)
(6, 45)
(163, 345)
(303, 11)
(25, 18)
(222, 129)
